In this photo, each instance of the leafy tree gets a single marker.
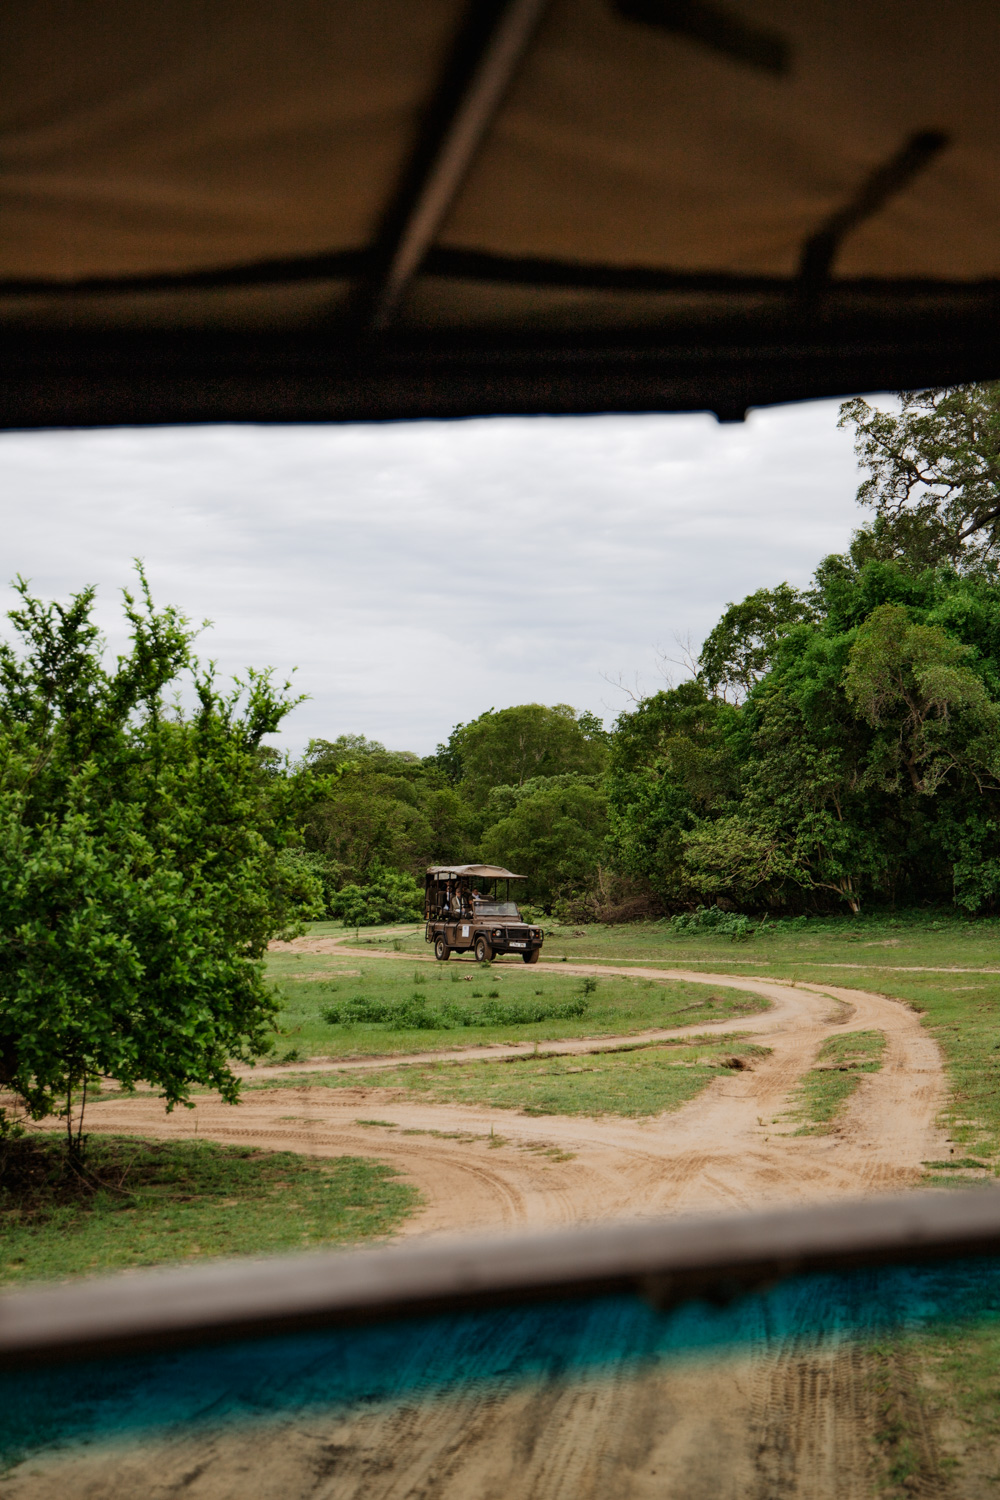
(672, 765)
(933, 714)
(554, 833)
(933, 476)
(384, 897)
(866, 754)
(510, 746)
(802, 821)
(387, 810)
(362, 826)
(738, 651)
(142, 867)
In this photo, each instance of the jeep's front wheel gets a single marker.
(484, 952)
(532, 957)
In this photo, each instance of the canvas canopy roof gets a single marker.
(487, 872)
(373, 208)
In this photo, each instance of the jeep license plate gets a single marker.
(517, 945)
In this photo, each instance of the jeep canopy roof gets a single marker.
(325, 210)
(486, 872)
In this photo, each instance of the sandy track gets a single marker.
(789, 1421)
(727, 1148)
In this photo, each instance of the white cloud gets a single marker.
(419, 573)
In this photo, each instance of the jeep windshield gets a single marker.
(497, 909)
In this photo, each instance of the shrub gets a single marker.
(385, 897)
(415, 1015)
(731, 924)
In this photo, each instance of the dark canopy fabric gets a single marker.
(374, 209)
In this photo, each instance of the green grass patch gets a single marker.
(634, 1081)
(351, 1007)
(884, 939)
(827, 1087)
(413, 1013)
(143, 1203)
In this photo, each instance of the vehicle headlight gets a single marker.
(498, 932)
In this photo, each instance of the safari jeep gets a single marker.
(464, 911)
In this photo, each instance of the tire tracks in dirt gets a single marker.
(728, 1147)
(788, 1420)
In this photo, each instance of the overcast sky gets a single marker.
(417, 574)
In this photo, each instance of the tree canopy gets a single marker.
(142, 860)
(933, 476)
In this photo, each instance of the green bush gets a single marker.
(385, 897)
(731, 924)
(414, 1014)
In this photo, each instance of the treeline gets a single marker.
(522, 786)
(838, 748)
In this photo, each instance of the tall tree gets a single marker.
(142, 863)
(510, 746)
(933, 476)
(739, 650)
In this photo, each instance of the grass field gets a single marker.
(463, 1003)
(826, 1088)
(633, 1081)
(151, 1202)
(930, 960)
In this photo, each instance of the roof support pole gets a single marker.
(483, 62)
(820, 250)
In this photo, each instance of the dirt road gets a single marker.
(727, 1148)
(789, 1421)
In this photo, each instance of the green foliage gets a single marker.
(933, 713)
(511, 746)
(142, 858)
(933, 477)
(739, 650)
(385, 897)
(863, 764)
(672, 767)
(414, 1013)
(713, 919)
(554, 833)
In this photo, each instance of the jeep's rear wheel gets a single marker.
(441, 950)
(483, 951)
(532, 957)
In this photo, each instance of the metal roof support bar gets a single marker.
(481, 68)
(820, 249)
